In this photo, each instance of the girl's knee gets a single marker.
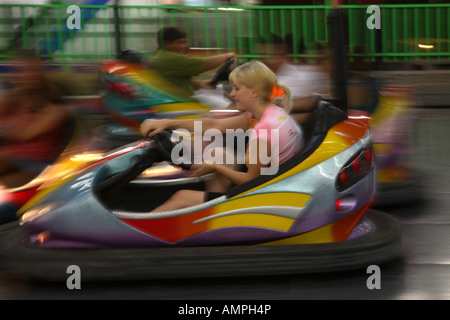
(186, 198)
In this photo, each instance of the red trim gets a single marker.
(19, 198)
(117, 117)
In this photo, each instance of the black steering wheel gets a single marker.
(165, 141)
(223, 73)
(159, 150)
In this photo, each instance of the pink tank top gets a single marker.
(280, 130)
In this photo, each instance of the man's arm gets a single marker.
(215, 61)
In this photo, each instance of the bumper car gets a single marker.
(398, 181)
(311, 216)
(392, 116)
(131, 92)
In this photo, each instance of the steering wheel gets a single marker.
(159, 150)
(223, 73)
(165, 141)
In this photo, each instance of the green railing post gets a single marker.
(295, 36)
(405, 30)
(416, 30)
(219, 37)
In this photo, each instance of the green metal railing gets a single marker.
(408, 32)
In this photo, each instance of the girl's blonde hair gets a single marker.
(255, 74)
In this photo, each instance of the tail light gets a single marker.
(355, 169)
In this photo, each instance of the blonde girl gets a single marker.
(255, 91)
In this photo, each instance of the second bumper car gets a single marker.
(398, 180)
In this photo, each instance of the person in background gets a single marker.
(255, 89)
(172, 61)
(305, 80)
(33, 122)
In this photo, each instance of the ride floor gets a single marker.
(422, 271)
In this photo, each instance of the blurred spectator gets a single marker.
(33, 122)
(304, 80)
(173, 62)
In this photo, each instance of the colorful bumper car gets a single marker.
(311, 216)
(398, 180)
(392, 119)
(132, 92)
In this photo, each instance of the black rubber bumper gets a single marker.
(378, 247)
